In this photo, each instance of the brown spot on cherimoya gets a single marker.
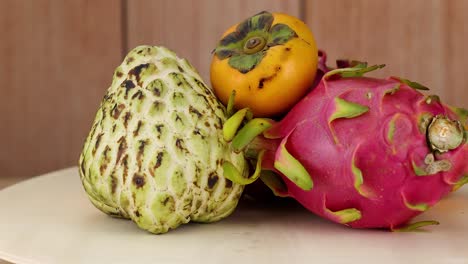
(197, 176)
(106, 152)
(159, 128)
(113, 182)
(125, 168)
(196, 131)
(137, 129)
(157, 86)
(116, 110)
(157, 106)
(141, 151)
(159, 158)
(205, 100)
(197, 171)
(138, 95)
(166, 200)
(178, 119)
(113, 214)
(106, 161)
(180, 144)
(102, 168)
(219, 123)
(138, 180)
(212, 179)
(128, 84)
(122, 148)
(157, 92)
(136, 71)
(202, 86)
(98, 141)
(193, 110)
(127, 118)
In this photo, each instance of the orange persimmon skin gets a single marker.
(279, 81)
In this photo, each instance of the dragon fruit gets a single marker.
(363, 152)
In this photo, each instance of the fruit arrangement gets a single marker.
(165, 149)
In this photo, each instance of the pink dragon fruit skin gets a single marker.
(367, 152)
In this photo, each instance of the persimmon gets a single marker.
(270, 60)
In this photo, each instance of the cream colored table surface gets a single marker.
(48, 219)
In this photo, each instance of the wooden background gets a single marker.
(57, 57)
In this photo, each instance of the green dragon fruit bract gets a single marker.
(155, 151)
(364, 152)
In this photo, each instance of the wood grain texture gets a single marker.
(455, 62)
(58, 56)
(192, 28)
(57, 60)
(420, 40)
